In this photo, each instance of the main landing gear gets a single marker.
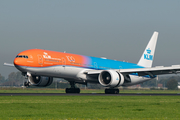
(111, 91)
(72, 89)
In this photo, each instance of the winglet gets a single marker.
(148, 54)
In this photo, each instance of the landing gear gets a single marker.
(111, 91)
(27, 84)
(72, 89)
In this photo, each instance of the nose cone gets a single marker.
(18, 63)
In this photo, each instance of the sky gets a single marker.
(115, 29)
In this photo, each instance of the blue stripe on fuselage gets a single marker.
(100, 63)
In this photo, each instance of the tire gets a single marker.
(72, 90)
(111, 91)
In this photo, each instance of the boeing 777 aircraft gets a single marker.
(40, 66)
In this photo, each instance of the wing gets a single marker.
(153, 70)
(9, 64)
(143, 71)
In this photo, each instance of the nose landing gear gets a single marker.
(26, 84)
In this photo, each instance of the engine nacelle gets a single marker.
(40, 81)
(111, 78)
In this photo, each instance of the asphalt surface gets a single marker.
(87, 94)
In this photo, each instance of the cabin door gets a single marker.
(40, 60)
(63, 62)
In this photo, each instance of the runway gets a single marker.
(87, 94)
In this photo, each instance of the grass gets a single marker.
(89, 107)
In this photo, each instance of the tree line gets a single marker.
(14, 79)
(167, 81)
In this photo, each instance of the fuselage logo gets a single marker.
(46, 55)
(148, 55)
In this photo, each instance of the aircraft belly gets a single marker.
(69, 72)
(66, 72)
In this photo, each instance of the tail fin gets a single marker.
(148, 54)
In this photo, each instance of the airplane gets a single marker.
(41, 66)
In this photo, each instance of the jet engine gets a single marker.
(40, 81)
(110, 78)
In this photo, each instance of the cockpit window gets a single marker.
(22, 56)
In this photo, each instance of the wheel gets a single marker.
(107, 91)
(67, 90)
(116, 91)
(111, 91)
(77, 90)
(26, 84)
(72, 90)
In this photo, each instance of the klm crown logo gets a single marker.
(148, 51)
(148, 56)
